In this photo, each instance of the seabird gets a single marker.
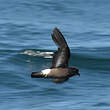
(59, 71)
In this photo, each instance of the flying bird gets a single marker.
(59, 71)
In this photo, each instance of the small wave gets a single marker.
(84, 58)
(37, 53)
(101, 104)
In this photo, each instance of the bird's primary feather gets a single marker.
(62, 55)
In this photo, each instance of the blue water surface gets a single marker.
(26, 46)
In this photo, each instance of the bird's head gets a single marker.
(74, 71)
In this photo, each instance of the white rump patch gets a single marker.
(46, 71)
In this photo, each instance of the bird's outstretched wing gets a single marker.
(61, 57)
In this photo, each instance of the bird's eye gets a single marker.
(76, 70)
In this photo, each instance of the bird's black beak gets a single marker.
(78, 74)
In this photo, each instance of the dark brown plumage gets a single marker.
(61, 57)
(59, 71)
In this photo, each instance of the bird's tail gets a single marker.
(59, 38)
(37, 75)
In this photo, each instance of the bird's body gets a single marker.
(59, 71)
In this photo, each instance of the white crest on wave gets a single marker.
(38, 53)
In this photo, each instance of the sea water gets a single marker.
(26, 46)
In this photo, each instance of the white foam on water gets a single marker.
(38, 53)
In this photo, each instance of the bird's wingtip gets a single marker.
(55, 29)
